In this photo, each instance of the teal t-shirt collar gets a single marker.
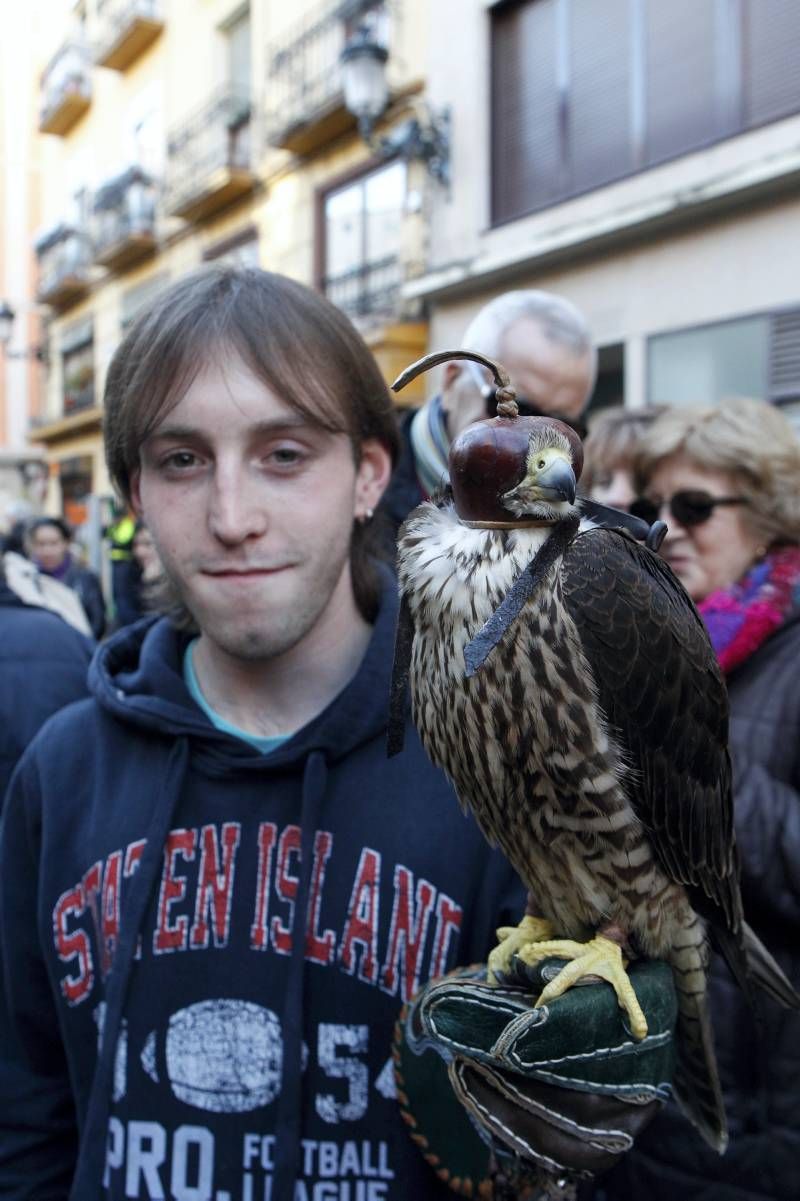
(264, 745)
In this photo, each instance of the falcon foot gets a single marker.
(599, 957)
(531, 930)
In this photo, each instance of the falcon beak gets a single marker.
(556, 482)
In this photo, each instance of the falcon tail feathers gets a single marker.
(696, 1083)
(764, 971)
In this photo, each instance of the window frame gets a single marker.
(730, 89)
(361, 171)
(790, 308)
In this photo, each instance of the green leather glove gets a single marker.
(556, 1094)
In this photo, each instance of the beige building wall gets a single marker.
(19, 200)
(705, 237)
(21, 375)
(177, 77)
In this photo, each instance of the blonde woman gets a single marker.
(727, 482)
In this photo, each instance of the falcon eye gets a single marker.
(541, 464)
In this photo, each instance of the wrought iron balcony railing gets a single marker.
(77, 398)
(66, 89)
(305, 107)
(64, 256)
(370, 290)
(125, 28)
(124, 219)
(210, 158)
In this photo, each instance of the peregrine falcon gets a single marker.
(565, 682)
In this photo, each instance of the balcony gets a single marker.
(78, 394)
(64, 256)
(53, 430)
(126, 29)
(305, 106)
(368, 291)
(209, 158)
(124, 220)
(66, 90)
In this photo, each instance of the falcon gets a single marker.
(563, 679)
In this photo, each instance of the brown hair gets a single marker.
(296, 342)
(750, 440)
(613, 439)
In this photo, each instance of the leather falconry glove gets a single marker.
(557, 1094)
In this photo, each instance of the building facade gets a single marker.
(21, 372)
(173, 135)
(641, 158)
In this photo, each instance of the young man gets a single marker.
(216, 890)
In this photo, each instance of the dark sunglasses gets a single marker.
(688, 507)
(527, 408)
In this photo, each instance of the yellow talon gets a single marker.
(511, 940)
(599, 957)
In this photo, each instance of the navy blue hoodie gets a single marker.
(243, 928)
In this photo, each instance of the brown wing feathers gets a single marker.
(660, 687)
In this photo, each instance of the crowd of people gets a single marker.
(55, 566)
(215, 890)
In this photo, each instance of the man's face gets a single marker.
(251, 509)
(544, 373)
(547, 374)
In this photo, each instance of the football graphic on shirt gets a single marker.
(224, 1056)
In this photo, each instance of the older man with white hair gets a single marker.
(544, 343)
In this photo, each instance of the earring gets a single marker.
(366, 516)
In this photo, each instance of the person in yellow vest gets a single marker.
(124, 579)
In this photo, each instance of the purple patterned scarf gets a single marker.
(743, 616)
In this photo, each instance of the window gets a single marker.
(239, 250)
(755, 356)
(363, 223)
(75, 477)
(587, 91)
(706, 365)
(77, 367)
(237, 38)
(145, 137)
(138, 298)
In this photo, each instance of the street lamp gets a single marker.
(7, 316)
(366, 96)
(366, 92)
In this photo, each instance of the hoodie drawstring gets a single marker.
(289, 1120)
(86, 1185)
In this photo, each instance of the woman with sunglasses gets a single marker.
(727, 482)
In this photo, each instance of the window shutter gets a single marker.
(599, 125)
(784, 356)
(526, 159)
(680, 74)
(771, 54)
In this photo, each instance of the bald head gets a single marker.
(544, 343)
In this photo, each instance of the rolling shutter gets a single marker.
(784, 356)
(681, 107)
(526, 162)
(771, 57)
(599, 139)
